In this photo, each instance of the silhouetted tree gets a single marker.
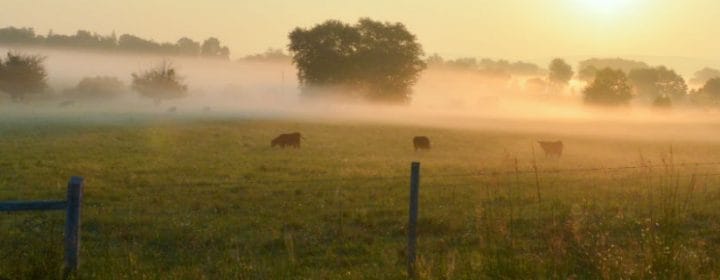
(587, 73)
(270, 55)
(127, 43)
(662, 102)
(486, 66)
(435, 60)
(560, 72)
(380, 61)
(211, 48)
(187, 46)
(12, 35)
(101, 87)
(21, 75)
(536, 85)
(626, 65)
(463, 63)
(159, 83)
(610, 87)
(133, 43)
(651, 83)
(704, 75)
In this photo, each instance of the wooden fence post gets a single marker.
(72, 225)
(412, 223)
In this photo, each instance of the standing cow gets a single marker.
(287, 139)
(552, 148)
(421, 143)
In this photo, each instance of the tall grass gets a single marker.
(212, 200)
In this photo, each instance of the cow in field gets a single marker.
(552, 148)
(421, 143)
(287, 139)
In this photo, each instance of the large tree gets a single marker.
(653, 83)
(376, 60)
(610, 87)
(21, 75)
(560, 72)
(159, 83)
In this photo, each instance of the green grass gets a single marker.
(209, 199)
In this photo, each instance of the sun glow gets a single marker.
(606, 7)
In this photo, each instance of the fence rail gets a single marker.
(72, 222)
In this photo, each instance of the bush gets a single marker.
(159, 83)
(100, 87)
(21, 75)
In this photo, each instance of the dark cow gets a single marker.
(287, 139)
(552, 148)
(172, 109)
(421, 143)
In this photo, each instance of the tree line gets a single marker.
(381, 61)
(23, 76)
(618, 81)
(488, 67)
(86, 40)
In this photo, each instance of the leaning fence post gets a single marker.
(412, 223)
(72, 224)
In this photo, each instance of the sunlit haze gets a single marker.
(517, 29)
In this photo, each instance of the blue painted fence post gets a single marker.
(412, 223)
(72, 225)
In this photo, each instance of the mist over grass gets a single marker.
(269, 90)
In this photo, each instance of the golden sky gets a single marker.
(516, 29)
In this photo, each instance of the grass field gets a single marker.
(209, 199)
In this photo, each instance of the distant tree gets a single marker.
(159, 83)
(524, 68)
(662, 102)
(270, 55)
(133, 43)
(610, 87)
(212, 48)
(704, 75)
(712, 87)
(84, 39)
(464, 63)
(587, 73)
(709, 94)
(560, 72)
(486, 67)
(100, 87)
(652, 83)
(536, 86)
(435, 60)
(378, 61)
(626, 65)
(21, 75)
(12, 35)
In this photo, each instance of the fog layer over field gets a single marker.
(442, 97)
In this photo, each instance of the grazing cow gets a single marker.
(287, 139)
(172, 109)
(552, 148)
(421, 143)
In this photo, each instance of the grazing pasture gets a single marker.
(210, 199)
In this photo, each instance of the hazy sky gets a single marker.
(518, 29)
